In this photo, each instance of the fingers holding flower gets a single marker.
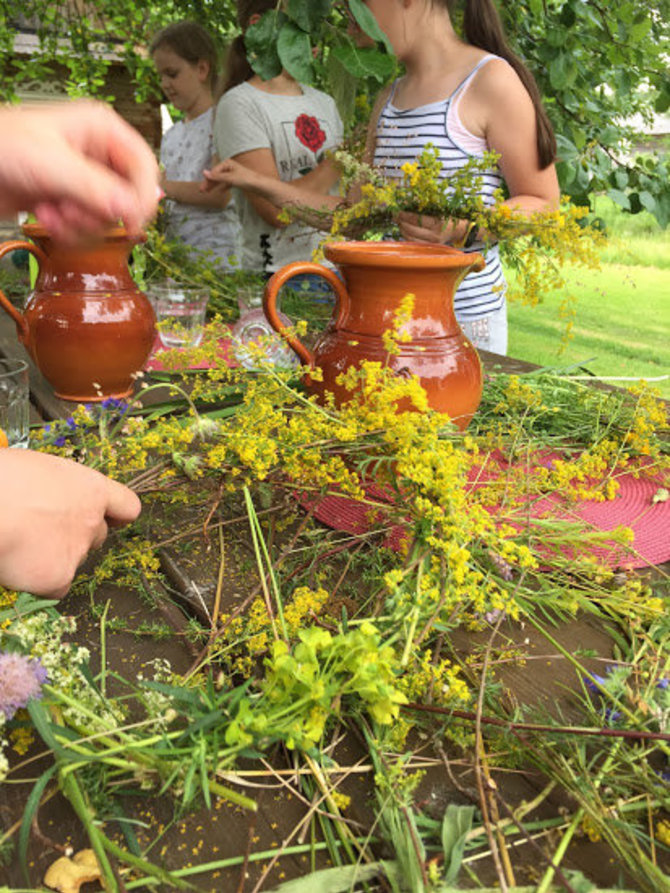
(433, 230)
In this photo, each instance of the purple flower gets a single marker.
(114, 405)
(591, 683)
(663, 683)
(60, 441)
(21, 679)
(70, 422)
(611, 716)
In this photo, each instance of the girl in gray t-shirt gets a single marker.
(278, 128)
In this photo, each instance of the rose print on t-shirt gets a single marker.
(309, 132)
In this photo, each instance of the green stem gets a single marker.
(71, 789)
(259, 545)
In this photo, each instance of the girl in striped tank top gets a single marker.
(464, 98)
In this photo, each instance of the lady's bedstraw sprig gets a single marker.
(535, 247)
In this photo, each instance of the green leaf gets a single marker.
(562, 71)
(567, 151)
(260, 41)
(339, 879)
(366, 20)
(24, 605)
(620, 198)
(32, 804)
(363, 63)
(455, 827)
(341, 86)
(648, 201)
(40, 719)
(295, 52)
(310, 15)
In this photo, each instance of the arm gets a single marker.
(256, 174)
(97, 168)
(498, 106)
(189, 193)
(242, 137)
(510, 130)
(53, 511)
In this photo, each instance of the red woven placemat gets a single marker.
(225, 355)
(634, 506)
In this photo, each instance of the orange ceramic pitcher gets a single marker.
(86, 325)
(376, 276)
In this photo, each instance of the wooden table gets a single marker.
(227, 831)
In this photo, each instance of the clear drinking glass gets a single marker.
(14, 402)
(180, 314)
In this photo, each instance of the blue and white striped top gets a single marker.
(402, 134)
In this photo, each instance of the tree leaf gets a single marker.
(310, 15)
(363, 63)
(366, 20)
(620, 198)
(295, 52)
(260, 41)
(648, 201)
(562, 71)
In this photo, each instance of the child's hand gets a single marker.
(422, 228)
(230, 173)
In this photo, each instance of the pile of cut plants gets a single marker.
(460, 694)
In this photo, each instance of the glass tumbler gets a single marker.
(14, 403)
(180, 314)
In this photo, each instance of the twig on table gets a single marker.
(514, 819)
(632, 734)
(485, 783)
(210, 514)
(296, 830)
(219, 588)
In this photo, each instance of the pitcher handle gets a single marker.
(281, 277)
(17, 316)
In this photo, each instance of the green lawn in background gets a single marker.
(622, 323)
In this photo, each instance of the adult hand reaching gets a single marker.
(78, 166)
(53, 512)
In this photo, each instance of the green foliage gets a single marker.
(596, 66)
(159, 258)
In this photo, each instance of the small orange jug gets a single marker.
(86, 325)
(376, 276)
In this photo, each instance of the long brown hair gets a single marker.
(190, 41)
(237, 68)
(483, 28)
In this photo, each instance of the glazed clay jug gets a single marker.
(86, 325)
(377, 276)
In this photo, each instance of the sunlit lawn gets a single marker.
(622, 323)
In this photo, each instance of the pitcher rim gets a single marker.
(399, 254)
(35, 229)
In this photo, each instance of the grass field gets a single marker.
(622, 324)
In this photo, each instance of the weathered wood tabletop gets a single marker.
(226, 830)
